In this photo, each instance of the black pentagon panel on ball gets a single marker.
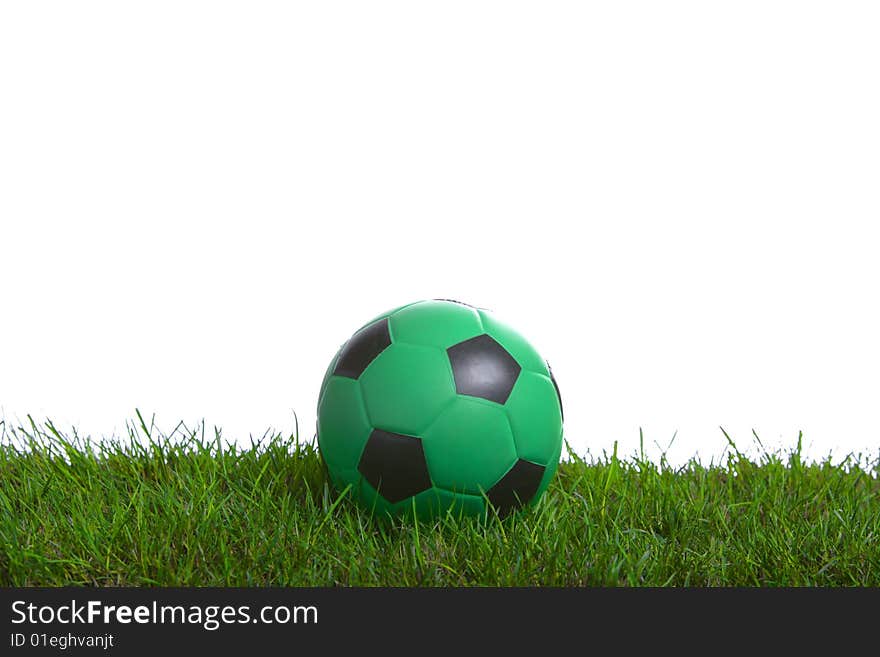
(362, 349)
(517, 487)
(395, 465)
(558, 394)
(483, 368)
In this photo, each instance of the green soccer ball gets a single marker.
(438, 406)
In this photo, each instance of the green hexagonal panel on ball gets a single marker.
(438, 324)
(406, 387)
(535, 418)
(343, 426)
(469, 447)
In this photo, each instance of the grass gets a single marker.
(182, 509)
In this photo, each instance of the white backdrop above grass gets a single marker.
(677, 202)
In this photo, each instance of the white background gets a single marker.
(677, 202)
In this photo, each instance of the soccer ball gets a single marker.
(438, 406)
